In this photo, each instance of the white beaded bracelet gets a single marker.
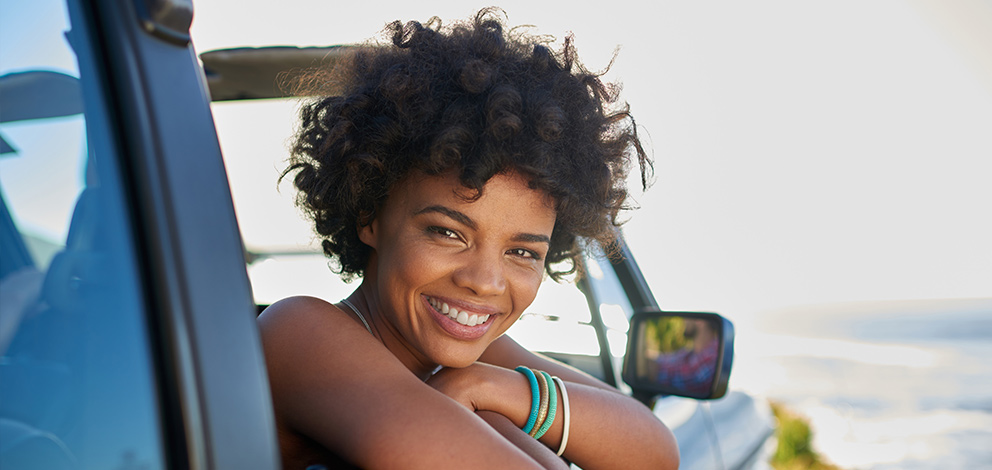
(564, 404)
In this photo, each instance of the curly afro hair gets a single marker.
(472, 98)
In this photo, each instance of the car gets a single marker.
(128, 335)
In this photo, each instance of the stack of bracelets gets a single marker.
(544, 404)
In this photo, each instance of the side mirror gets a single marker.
(687, 354)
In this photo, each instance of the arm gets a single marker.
(512, 433)
(338, 386)
(608, 429)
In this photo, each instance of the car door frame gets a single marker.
(215, 400)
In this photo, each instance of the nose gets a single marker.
(482, 274)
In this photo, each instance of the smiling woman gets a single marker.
(456, 169)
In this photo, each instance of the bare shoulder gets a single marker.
(297, 319)
(299, 308)
(323, 367)
(307, 334)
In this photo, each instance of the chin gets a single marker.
(457, 365)
(458, 360)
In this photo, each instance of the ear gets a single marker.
(367, 233)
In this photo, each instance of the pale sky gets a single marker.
(805, 152)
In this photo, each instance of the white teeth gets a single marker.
(461, 317)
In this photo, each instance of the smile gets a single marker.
(463, 318)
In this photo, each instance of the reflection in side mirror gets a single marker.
(679, 353)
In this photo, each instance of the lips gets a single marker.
(461, 324)
(462, 317)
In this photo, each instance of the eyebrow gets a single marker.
(463, 219)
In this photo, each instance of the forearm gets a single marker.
(609, 430)
(512, 433)
(606, 429)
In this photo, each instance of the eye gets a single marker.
(443, 232)
(524, 253)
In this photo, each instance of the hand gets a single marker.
(485, 387)
(462, 384)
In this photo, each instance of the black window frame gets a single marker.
(210, 366)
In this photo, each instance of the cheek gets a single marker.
(525, 287)
(411, 264)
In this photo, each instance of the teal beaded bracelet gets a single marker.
(535, 397)
(552, 405)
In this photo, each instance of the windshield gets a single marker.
(283, 254)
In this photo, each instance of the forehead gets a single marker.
(507, 195)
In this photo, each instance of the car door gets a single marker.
(127, 336)
(732, 432)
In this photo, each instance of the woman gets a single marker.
(453, 171)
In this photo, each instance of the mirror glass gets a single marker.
(677, 354)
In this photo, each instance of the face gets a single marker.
(449, 275)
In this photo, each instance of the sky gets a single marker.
(805, 152)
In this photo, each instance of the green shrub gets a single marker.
(795, 449)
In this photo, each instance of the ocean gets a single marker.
(885, 385)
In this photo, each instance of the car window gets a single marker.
(611, 298)
(284, 256)
(77, 383)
